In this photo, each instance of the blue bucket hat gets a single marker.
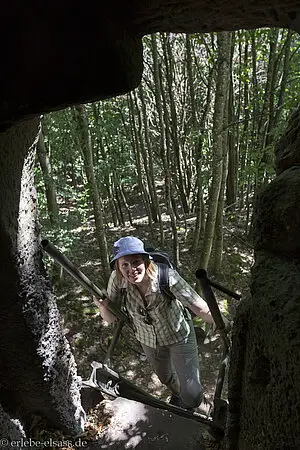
(128, 245)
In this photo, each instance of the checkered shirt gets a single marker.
(169, 319)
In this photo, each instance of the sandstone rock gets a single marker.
(287, 151)
(276, 222)
(135, 425)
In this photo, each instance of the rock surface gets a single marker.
(38, 374)
(264, 375)
(53, 59)
(134, 425)
(276, 221)
(287, 150)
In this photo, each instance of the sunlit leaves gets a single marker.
(110, 124)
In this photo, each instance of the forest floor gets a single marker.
(89, 336)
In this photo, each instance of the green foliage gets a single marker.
(260, 111)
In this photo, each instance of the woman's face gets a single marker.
(132, 268)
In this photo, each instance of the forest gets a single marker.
(177, 162)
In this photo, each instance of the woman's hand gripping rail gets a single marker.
(82, 279)
(105, 313)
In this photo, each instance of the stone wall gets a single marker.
(37, 370)
(264, 387)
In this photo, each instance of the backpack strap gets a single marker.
(163, 280)
(123, 307)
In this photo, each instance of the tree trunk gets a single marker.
(107, 176)
(244, 137)
(231, 182)
(199, 208)
(176, 149)
(113, 203)
(284, 77)
(50, 189)
(143, 188)
(164, 145)
(194, 130)
(123, 195)
(162, 134)
(189, 70)
(170, 200)
(150, 169)
(265, 124)
(217, 249)
(87, 150)
(118, 199)
(142, 131)
(222, 84)
(226, 146)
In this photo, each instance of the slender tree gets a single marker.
(165, 145)
(139, 153)
(149, 168)
(87, 150)
(50, 189)
(232, 136)
(173, 121)
(222, 84)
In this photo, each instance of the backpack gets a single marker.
(163, 262)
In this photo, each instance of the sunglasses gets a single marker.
(146, 318)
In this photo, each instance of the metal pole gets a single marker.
(224, 289)
(220, 405)
(115, 339)
(61, 259)
(212, 304)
